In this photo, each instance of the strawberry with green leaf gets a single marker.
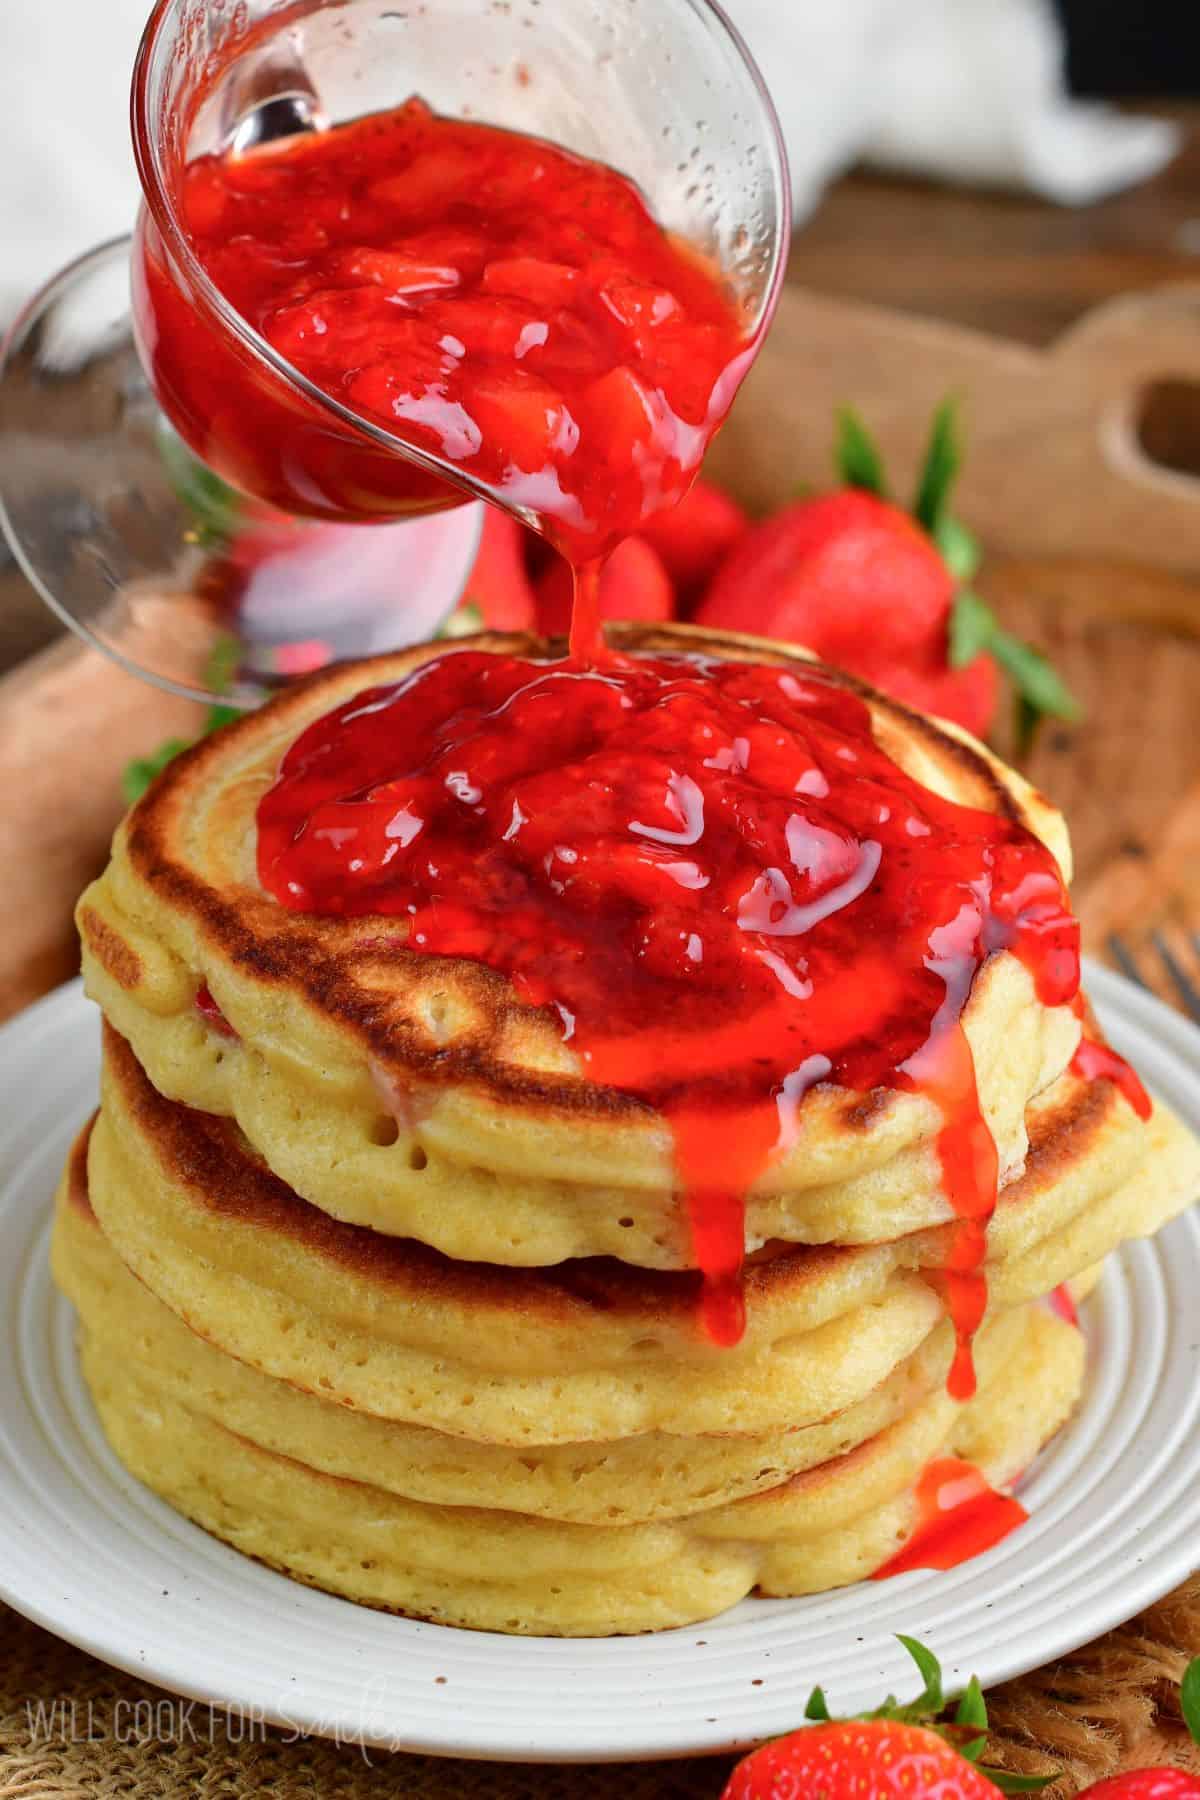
(883, 591)
(897, 1750)
(905, 1752)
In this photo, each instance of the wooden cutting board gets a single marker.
(1093, 550)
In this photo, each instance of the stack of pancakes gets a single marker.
(377, 1287)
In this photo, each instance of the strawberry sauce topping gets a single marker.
(1063, 1306)
(715, 877)
(211, 1013)
(1094, 1061)
(488, 297)
(958, 1516)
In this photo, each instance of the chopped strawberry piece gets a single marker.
(466, 251)
(327, 317)
(524, 419)
(515, 181)
(687, 361)
(638, 309)
(571, 351)
(619, 414)
(433, 180)
(398, 272)
(545, 284)
(422, 409)
(345, 326)
(205, 197)
(259, 172)
(430, 260)
(500, 330)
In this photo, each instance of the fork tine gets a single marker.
(1188, 991)
(1122, 955)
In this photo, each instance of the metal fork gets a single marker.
(1186, 993)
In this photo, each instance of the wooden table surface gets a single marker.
(1008, 264)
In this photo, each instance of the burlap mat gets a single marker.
(73, 1729)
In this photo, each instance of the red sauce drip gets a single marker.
(965, 1294)
(715, 875)
(1096, 1062)
(959, 1515)
(1061, 1303)
(486, 296)
(211, 1013)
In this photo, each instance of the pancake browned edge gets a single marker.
(417, 1095)
(316, 960)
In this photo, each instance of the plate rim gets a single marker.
(1140, 1584)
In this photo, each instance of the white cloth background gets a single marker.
(964, 90)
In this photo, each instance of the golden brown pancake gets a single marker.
(377, 1287)
(626, 1481)
(359, 1505)
(592, 1350)
(418, 1096)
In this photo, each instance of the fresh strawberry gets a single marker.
(633, 585)
(694, 536)
(1148, 1784)
(498, 584)
(876, 589)
(967, 696)
(1161, 1784)
(846, 574)
(895, 1751)
(844, 1762)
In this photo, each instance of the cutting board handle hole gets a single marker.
(1166, 424)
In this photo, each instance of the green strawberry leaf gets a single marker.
(1034, 677)
(216, 507)
(1040, 689)
(817, 1708)
(972, 628)
(959, 547)
(1026, 720)
(856, 455)
(1189, 1697)
(941, 466)
(137, 775)
(970, 1715)
(972, 1707)
(931, 1700)
(222, 664)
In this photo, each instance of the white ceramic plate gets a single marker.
(89, 1553)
